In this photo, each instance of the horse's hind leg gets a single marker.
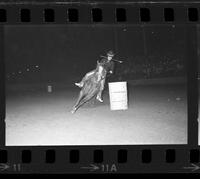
(82, 101)
(75, 107)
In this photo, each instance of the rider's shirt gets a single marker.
(108, 65)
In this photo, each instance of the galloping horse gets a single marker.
(91, 87)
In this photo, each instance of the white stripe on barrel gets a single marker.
(118, 95)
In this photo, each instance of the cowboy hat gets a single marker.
(110, 53)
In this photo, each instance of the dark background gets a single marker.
(65, 53)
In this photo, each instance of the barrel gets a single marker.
(49, 88)
(118, 95)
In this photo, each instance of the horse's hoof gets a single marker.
(73, 111)
(99, 99)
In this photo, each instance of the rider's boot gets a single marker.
(80, 84)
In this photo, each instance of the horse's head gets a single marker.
(100, 70)
(98, 63)
(99, 67)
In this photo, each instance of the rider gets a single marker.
(108, 65)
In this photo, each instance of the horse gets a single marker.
(91, 87)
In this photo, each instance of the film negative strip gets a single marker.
(99, 86)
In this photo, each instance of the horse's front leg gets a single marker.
(101, 88)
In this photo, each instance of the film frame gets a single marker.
(105, 159)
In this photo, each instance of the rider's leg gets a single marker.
(99, 95)
(81, 83)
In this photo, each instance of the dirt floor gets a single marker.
(157, 114)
